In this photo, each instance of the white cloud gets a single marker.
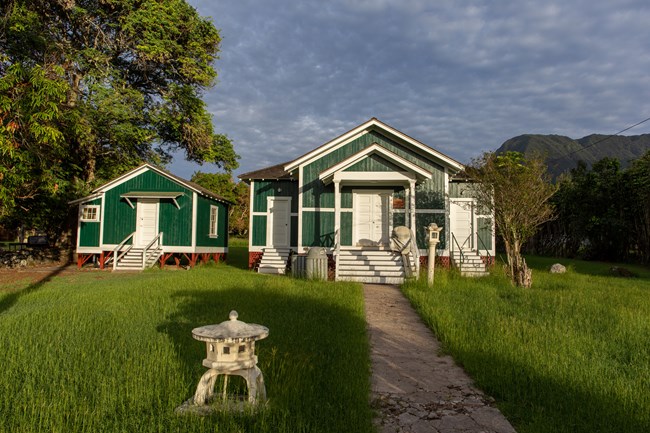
(461, 76)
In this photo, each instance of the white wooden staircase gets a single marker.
(127, 257)
(469, 263)
(274, 261)
(379, 265)
(133, 260)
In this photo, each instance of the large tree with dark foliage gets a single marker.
(602, 213)
(91, 88)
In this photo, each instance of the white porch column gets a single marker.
(412, 206)
(337, 226)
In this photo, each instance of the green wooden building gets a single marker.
(349, 194)
(147, 216)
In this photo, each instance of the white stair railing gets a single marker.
(146, 254)
(118, 253)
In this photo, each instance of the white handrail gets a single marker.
(416, 254)
(145, 257)
(117, 249)
(337, 252)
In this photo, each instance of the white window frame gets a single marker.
(214, 222)
(82, 210)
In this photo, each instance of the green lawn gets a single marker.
(108, 352)
(572, 354)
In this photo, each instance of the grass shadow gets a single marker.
(12, 298)
(547, 404)
(315, 360)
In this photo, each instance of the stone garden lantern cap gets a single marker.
(231, 330)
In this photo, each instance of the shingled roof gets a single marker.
(275, 172)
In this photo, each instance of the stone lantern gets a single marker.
(433, 237)
(230, 348)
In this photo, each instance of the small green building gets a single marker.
(149, 215)
(349, 195)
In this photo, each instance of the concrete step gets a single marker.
(270, 270)
(367, 267)
(367, 252)
(345, 274)
(374, 280)
(274, 261)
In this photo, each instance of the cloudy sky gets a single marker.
(461, 76)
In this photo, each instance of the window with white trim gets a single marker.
(214, 213)
(90, 213)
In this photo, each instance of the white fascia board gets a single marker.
(366, 127)
(325, 148)
(420, 146)
(373, 149)
(90, 250)
(372, 177)
(125, 177)
(141, 169)
(85, 199)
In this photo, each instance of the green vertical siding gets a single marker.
(430, 194)
(203, 238)
(460, 190)
(423, 220)
(259, 230)
(346, 229)
(176, 224)
(262, 190)
(484, 233)
(274, 188)
(119, 217)
(318, 229)
(89, 234)
(89, 231)
(315, 194)
(374, 163)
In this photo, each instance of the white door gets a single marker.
(462, 223)
(279, 217)
(147, 221)
(371, 217)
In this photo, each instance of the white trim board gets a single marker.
(372, 124)
(336, 172)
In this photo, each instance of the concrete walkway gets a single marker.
(414, 389)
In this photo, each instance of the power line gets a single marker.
(599, 141)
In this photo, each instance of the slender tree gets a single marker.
(90, 88)
(517, 191)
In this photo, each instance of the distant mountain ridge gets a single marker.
(563, 153)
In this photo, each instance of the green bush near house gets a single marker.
(108, 352)
(571, 354)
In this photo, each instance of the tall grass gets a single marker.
(569, 355)
(104, 352)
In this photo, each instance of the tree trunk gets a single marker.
(518, 271)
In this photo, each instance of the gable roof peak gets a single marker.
(385, 128)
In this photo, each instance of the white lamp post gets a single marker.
(433, 235)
